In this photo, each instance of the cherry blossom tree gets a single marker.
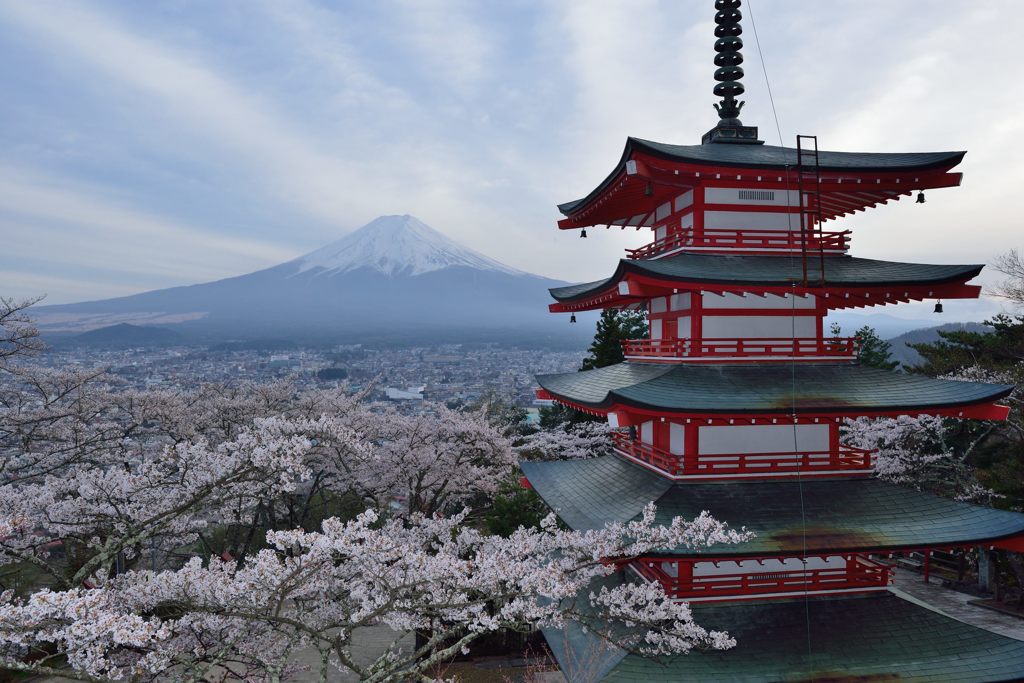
(112, 503)
(567, 441)
(311, 590)
(923, 452)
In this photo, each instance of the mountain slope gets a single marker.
(123, 335)
(394, 276)
(928, 335)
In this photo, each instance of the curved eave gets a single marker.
(837, 515)
(766, 157)
(706, 159)
(849, 281)
(825, 390)
(879, 637)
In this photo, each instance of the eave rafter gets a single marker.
(645, 182)
(620, 415)
(638, 289)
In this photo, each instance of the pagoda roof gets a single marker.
(726, 389)
(768, 157)
(696, 271)
(842, 515)
(878, 636)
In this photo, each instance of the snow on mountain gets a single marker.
(396, 246)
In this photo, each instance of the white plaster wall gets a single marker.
(676, 434)
(659, 304)
(730, 195)
(769, 301)
(663, 211)
(729, 439)
(680, 302)
(686, 221)
(683, 327)
(754, 220)
(660, 233)
(755, 567)
(647, 432)
(656, 329)
(684, 200)
(759, 327)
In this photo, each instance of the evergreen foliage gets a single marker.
(613, 327)
(512, 508)
(873, 351)
(1000, 349)
(995, 449)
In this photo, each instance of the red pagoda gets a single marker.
(734, 405)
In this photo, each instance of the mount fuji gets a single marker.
(395, 278)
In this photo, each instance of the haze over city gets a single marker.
(151, 146)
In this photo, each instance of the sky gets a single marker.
(146, 145)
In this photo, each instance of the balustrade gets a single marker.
(744, 240)
(859, 573)
(731, 464)
(726, 349)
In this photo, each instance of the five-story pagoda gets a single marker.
(734, 405)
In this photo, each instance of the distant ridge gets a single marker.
(927, 335)
(395, 278)
(123, 336)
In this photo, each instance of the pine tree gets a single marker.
(614, 327)
(606, 349)
(873, 351)
(1000, 349)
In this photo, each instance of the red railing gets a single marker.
(830, 347)
(858, 573)
(751, 240)
(728, 464)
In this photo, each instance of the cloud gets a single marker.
(284, 124)
(68, 224)
(22, 284)
(193, 93)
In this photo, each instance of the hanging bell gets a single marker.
(938, 307)
(649, 189)
(583, 233)
(572, 318)
(920, 197)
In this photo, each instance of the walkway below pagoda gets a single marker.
(956, 604)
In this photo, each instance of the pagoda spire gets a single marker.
(728, 60)
(729, 74)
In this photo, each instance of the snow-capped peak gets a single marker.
(397, 245)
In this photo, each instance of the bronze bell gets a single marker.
(583, 233)
(938, 307)
(572, 318)
(920, 197)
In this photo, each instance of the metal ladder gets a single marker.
(808, 177)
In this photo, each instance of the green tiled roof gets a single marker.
(770, 156)
(743, 388)
(769, 271)
(841, 514)
(877, 637)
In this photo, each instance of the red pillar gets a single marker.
(690, 446)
